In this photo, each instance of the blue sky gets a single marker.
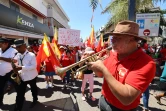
(80, 13)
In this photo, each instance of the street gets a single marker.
(56, 99)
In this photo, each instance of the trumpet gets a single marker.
(15, 75)
(60, 71)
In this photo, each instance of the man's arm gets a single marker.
(135, 83)
(6, 59)
(125, 93)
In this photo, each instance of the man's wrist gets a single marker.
(105, 71)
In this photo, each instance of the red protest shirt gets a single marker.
(65, 60)
(73, 54)
(35, 48)
(49, 67)
(163, 52)
(136, 70)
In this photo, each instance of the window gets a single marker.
(14, 6)
(34, 17)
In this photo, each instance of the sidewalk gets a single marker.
(56, 99)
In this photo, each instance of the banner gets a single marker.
(69, 37)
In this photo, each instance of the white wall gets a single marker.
(5, 3)
(38, 5)
(53, 12)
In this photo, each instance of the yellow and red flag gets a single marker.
(91, 41)
(100, 44)
(46, 51)
(54, 41)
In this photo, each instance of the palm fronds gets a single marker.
(94, 3)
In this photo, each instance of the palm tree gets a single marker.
(119, 8)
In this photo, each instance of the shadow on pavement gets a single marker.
(97, 83)
(7, 107)
(64, 104)
(48, 92)
(92, 103)
(140, 108)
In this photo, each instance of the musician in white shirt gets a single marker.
(6, 54)
(28, 73)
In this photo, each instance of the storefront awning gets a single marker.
(19, 33)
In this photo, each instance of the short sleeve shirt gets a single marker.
(5, 67)
(136, 70)
(49, 66)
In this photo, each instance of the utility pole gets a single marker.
(131, 10)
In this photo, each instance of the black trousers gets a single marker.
(21, 89)
(3, 80)
(105, 106)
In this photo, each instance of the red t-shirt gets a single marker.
(163, 52)
(145, 46)
(35, 48)
(65, 61)
(137, 70)
(49, 67)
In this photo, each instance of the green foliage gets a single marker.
(119, 9)
(93, 4)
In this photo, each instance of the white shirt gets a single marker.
(5, 67)
(29, 64)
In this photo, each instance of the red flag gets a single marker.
(54, 59)
(92, 38)
(88, 42)
(41, 55)
(100, 44)
(55, 39)
(46, 51)
(54, 42)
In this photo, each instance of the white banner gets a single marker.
(148, 24)
(69, 37)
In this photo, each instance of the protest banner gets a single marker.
(69, 37)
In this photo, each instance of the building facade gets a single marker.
(26, 19)
(56, 16)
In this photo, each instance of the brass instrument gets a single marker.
(15, 75)
(60, 71)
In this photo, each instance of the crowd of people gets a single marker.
(127, 70)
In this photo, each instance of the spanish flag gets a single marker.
(46, 51)
(54, 42)
(100, 44)
(92, 39)
(55, 39)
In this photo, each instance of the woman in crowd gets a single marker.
(88, 75)
(49, 72)
(66, 60)
(162, 85)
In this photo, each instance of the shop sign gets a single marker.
(24, 22)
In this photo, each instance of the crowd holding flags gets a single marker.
(51, 50)
(46, 51)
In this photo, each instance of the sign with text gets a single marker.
(69, 37)
(148, 24)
